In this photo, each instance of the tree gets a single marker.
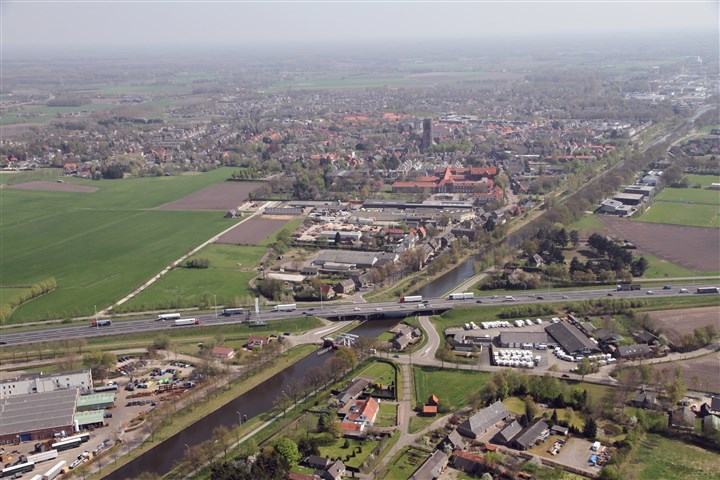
(100, 363)
(638, 267)
(161, 342)
(221, 435)
(584, 368)
(530, 408)
(287, 449)
(554, 416)
(338, 238)
(574, 237)
(590, 428)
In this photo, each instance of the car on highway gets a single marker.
(478, 301)
(334, 311)
(565, 297)
(357, 309)
(650, 292)
(609, 294)
(683, 290)
(667, 287)
(378, 309)
(539, 297)
(494, 296)
(396, 356)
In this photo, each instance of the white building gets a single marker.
(37, 382)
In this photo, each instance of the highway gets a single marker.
(341, 312)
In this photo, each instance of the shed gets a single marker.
(95, 401)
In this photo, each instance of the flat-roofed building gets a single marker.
(39, 382)
(629, 198)
(359, 259)
(38, 415)
(519, 339)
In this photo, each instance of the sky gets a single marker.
(39, 25)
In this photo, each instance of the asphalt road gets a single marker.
(336, 312)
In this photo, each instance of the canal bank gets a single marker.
(256, 401)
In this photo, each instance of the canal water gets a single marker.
(255, 401)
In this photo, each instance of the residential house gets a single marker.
(645, 399)
(346, 286)
(536, 261)
(254, 342)
(327, 291)
(432, 467)
(483, 420)
(334, 471)
(363, 412)
(317, 462)
(455, 440)
(222, 353)
(682, 418)
(711, 424)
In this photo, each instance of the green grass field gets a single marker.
(450, 386)
(660, 269)
(101, 245)
(587, 222)
(383, 373)
(7, 294)
(185, 287)
(387, 416)
(658, 457)
(47, 174)
(404, 463)
(698, 207)
(337, 450)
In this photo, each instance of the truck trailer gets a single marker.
(186, 321)
(55, 470)
(232, 311)
(462, 296)
(288, 307)
(43, 456)
(168, 316)
(708, 290)
(411, 298)
(626, 287)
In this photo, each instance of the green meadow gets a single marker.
(99, 246)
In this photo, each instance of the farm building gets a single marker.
(536, 433)
(468, 463)
(483, 420)
(38, 383)
(350, 258)
(353, 390)
(631, 352)
(432, 467)
(571, 339)
(505, 436)
(682, 418)
(455, 440)
(615, 207)
(222, 352)
(36, 416)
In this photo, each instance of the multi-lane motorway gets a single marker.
(344, 312)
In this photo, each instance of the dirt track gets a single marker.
(54, 187)
(252, 231)
(222, 196)
(695, 248)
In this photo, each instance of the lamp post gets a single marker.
(187, 450)
(215, 298)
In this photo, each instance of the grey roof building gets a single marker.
(37, 415)
(639, 350)
(516, 339)
(353, 390)
(571, 339)
(530, 437)
(455, 440)
(483, 420)
(432, 467)
(505, 436)
(359, 259)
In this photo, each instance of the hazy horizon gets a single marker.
(49, 26)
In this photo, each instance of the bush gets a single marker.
(197, 263)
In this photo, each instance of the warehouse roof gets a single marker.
(96, 399)
(570, 338)
(37, 411)
(91, 417)
(523, 337)
(346, 257)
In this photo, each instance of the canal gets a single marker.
(161, 458)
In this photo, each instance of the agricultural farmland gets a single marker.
(223, 196)
(253, 231)
(98, 245)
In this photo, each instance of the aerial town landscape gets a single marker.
(304, 257)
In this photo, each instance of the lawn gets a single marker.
(387, 416)
(98, 246)
(703, 180)
(514, 405)
(186, 287)
(587, 222)
(658, 457)
(660, 269)
(697, 195)
(41, 174)
(696, 215)
(418, 422)
(361, 449)
(404, 463)
(450, 386)
(383, 373)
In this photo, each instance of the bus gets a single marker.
(167, 316)
(461, 296)
(708, 290)
(19, 468)
(232, 311)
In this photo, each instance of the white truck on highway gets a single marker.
(288, 307)
(186, 321)
(168, 316)
(461, 296)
